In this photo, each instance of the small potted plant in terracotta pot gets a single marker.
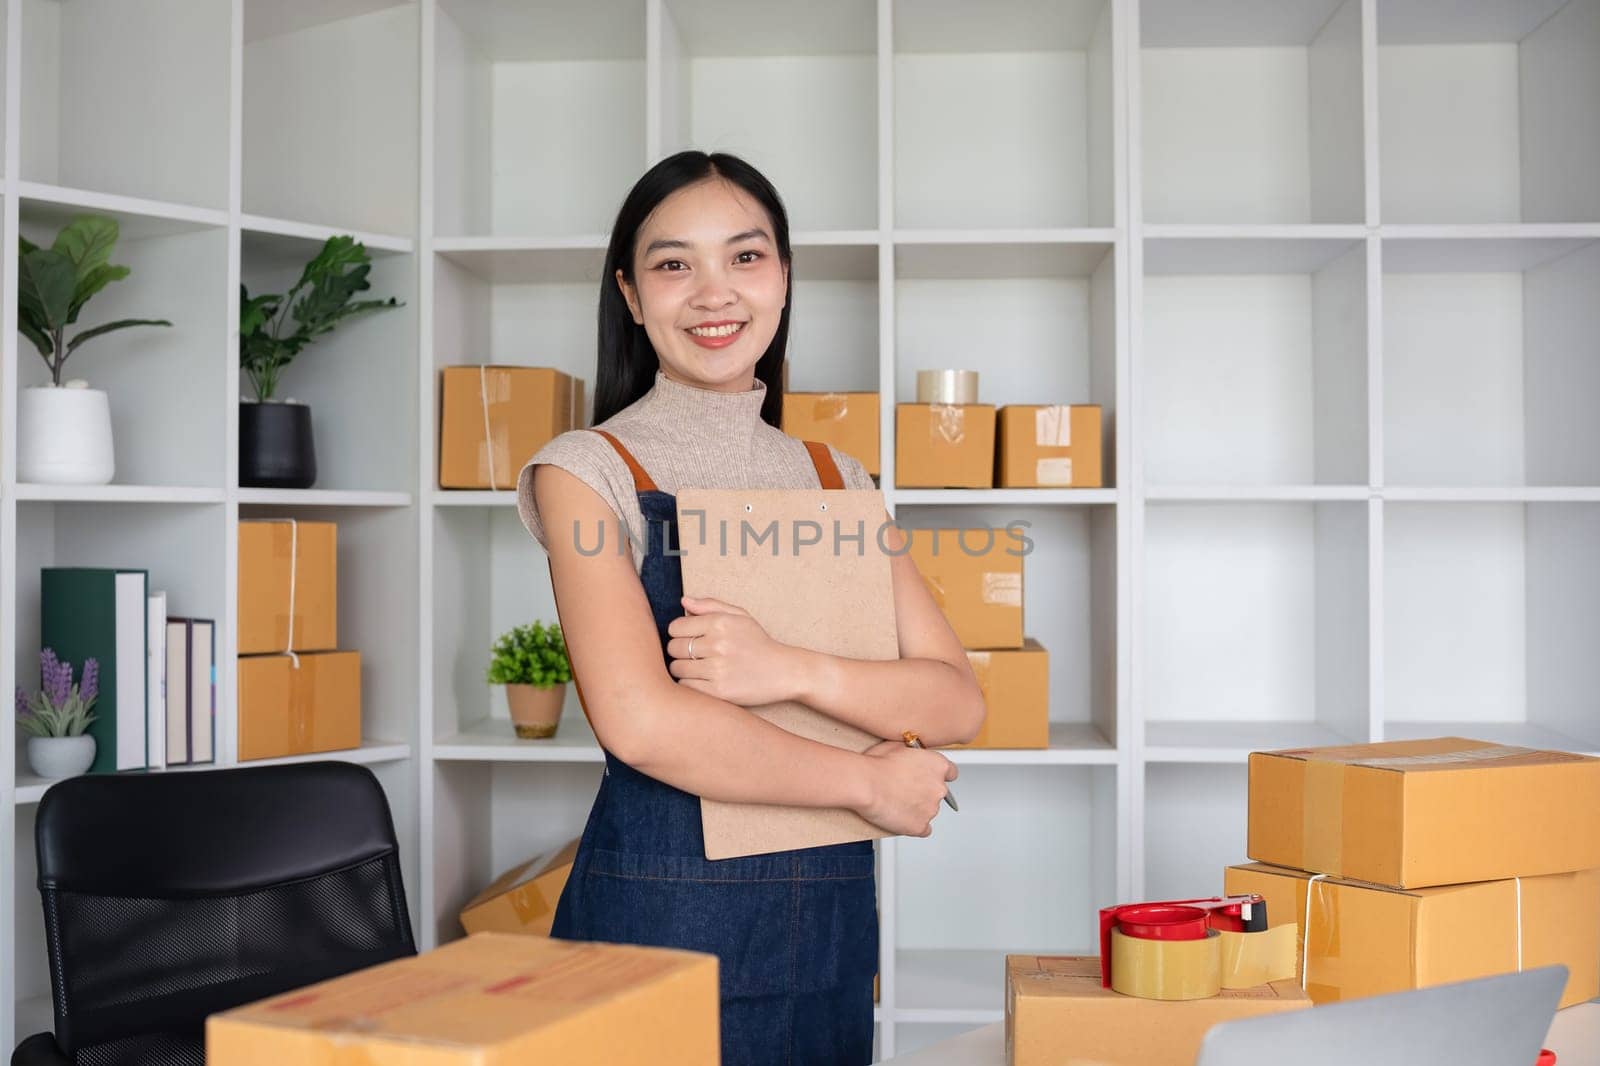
(531, 662)
(56, 716)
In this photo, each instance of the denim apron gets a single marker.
(795, 932)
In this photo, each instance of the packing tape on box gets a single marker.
(294, 566)
(947, 423)
(1053, 470)
(1251, 959)
(302, 697)
(528, 903)
(980, 671)
(1166, 969)
(490, 444)
(947, 386)
(1052, 426)
(1002, 588)
(830, 407)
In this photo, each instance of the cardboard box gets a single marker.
(846, 420)
(1414, 813)
(289, 711)
(265, 576)
(1016, 694)
(943, 446)
(975, 576)
(490, 1000)
(1057, 1014)
(1048, 446)
(1366, 940)
(523, 899)
(527, 406)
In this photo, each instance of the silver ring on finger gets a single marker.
(692, 655)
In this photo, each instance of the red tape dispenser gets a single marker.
(1174, 949)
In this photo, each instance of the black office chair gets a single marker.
(170, 896)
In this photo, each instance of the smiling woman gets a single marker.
(694, 319)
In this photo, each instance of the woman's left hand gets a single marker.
(734, 658)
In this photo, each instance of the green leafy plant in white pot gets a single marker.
(64, 429)
(55, 718)
(276, 447)
(531, 662)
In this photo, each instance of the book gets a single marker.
(203, 690)
(177, 703)
(156, 673)
(101, 613)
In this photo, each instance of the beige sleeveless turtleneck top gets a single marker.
(684, 437)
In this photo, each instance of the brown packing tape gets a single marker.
(1166, 969)
(1322, 818)
(830, 407)
(529, 903)
(947, 422)
(1052, 426)
(1251, 959)
(1001, 588)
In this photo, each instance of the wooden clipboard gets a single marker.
(752, 548)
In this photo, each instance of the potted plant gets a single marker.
(531, 661)
(275, 443)
(56, 716)
(64, 430)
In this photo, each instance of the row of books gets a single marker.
(157, 705)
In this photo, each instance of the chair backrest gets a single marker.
(170, 896)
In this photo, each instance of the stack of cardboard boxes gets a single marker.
(976, 446)
(297, 693)
(975, 576)
(493, 418)
(1418, 863)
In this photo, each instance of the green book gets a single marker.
(101, 614)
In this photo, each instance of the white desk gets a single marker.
(1574, 1037)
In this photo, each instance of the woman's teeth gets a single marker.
(717, 331)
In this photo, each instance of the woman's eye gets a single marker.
(670, 265)
(753, 254)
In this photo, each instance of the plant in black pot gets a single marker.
(275, 442)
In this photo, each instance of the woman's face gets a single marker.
(708, 284)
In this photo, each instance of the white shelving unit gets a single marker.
(1324, 263)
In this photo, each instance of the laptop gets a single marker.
(1491, 1021)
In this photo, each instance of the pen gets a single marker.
(914, 741)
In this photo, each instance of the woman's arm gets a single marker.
(930, 689)
(688, 739)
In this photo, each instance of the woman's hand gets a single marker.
(907, 788)
(734, 658)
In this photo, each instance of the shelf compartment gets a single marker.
(354, 164)
(1488, 378)
(361, 446)
(1030, 88)
(128, 96)
(1485, 111)
(1257, 618)
(163, 381)
(785, 88)
(1254, 362)
(1194, 827)
(377, 606)
(1489, 615)
(1069, 605)
(1027, 862)
(1253, 114)
(506, 162)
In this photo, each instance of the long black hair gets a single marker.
(626, 363)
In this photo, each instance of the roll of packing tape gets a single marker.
(1166, 969)
(947, 386)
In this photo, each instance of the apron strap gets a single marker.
(822, 459)
(641, 480)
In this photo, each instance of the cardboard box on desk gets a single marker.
(846, 420)
(943, 446)
(1415, 813)
(1057, 1013)
(1366, 940)
(282, 561)
(493, 999)
(975, 576)
(523, 899)
(1016, 695)
(1048, 446)
(288, 711)
(493, 418)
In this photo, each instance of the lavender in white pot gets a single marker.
(56, 717)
